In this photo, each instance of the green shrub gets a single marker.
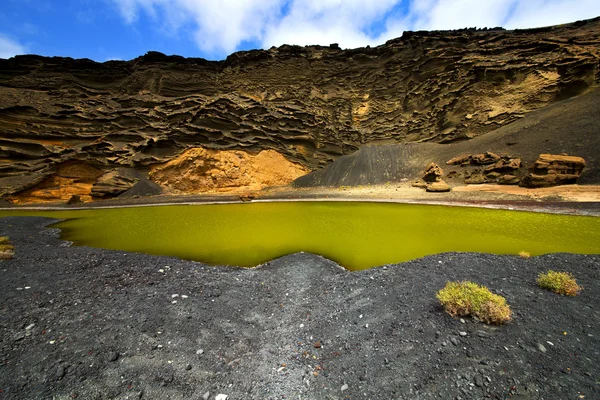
(468, 298)
(524, 254)
(559, 282)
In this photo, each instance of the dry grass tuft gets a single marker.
(7, 250)
(468, 298)
(524, 254)
(559, 282)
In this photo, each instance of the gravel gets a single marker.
(251, 333)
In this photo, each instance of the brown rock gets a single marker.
(508, 180)
(419, 184)
(459, 160)
(475, 179)
(492, 176)
(245, 197)
(75, 199)
(485, 158)
(433, 173)
(113, 183)
(60, 184)
(504, 165)
(439, 186)
(553, 170)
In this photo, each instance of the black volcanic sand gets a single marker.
(78, 322)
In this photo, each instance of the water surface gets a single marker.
(357, 235)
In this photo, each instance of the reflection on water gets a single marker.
(356, 235)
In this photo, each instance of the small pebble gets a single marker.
(188, 367)
(454, 341)
(221, 397)
(174, 295)
(344, 387)
(113, 356)
(206, 395)
(29, 327)
(60, 372)
(541, 347)
(462, 333)
(184, 296)
(199, 352)
(462, 321)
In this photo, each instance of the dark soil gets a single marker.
(78, 322)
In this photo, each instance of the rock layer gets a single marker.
(553, 169)
(202, 170)
(311, 104)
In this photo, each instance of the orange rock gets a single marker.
(200, 170)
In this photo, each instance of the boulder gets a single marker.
(485, 158)
(246, 197)
(74, 199)
(508, 179)
(433, 173)
(439, 186)
(459, 160)
(475, 179)
(113, 183)
(554, 170)
(504, 165)
(475, 159)
(419, 184)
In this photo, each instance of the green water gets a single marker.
(356, 235)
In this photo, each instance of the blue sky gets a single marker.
(124, 29)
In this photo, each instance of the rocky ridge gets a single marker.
(310, 104)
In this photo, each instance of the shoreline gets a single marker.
(589, 208)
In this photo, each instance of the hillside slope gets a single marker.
(571, 126)
(310, 104)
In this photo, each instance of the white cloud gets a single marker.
(346, 22)
(455, 14)
(537, 13)
(219, 27)
(10, 47)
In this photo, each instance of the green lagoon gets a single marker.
(357, 235)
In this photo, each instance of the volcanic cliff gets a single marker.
(102, 127)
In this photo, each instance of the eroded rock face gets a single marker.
(71, 179)
(202, 170)
(113, 183)
(310, 104)
(495, 168)
(553, 170)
